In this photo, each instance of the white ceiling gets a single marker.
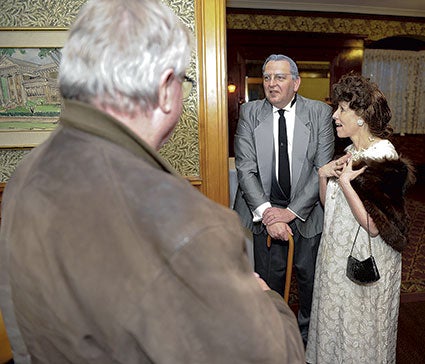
(415, 8)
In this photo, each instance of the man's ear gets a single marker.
(165, 91)
(297, 84)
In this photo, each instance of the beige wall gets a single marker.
(315, 88)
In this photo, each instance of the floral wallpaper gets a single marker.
(9, 159)
(38, 13)
(182, 151)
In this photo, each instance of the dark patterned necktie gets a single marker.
(284, 172)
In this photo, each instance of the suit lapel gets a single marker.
(264, 144)
(300, 142)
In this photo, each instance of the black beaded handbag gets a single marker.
(365, 271)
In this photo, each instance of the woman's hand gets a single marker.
(334, 168)
(347, 174)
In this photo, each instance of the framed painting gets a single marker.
(30, 101)
(254, 89)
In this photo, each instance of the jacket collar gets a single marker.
(82, 116)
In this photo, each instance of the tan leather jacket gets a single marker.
(116, 259)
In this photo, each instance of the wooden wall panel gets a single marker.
(213, 133)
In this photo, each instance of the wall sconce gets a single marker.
(231, 87)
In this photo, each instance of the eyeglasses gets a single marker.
(187, 86)
(279, 77)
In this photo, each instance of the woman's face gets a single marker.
(345, 121)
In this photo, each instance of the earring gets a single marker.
(360, 122)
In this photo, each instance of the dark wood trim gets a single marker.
(277, 12)
(412, 297)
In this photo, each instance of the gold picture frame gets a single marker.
(29, 96)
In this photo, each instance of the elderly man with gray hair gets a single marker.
(280, 143)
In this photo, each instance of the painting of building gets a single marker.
(29, 94)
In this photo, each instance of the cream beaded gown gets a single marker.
(351, 323)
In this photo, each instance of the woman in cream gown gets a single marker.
(352, 323)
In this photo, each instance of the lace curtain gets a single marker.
(401, 77)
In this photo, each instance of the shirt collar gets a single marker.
(287, 107)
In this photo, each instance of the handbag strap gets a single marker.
(368, 236)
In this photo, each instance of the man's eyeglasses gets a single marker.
(279, 77)
(187, 86)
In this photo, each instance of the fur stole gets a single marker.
(382, 187)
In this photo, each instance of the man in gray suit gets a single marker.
(265, 204)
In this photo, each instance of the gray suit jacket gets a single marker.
(313, 147)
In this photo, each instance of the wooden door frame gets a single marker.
(213, 128)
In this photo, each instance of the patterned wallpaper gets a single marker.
(182, 151)
(9, 159)
(372, 29)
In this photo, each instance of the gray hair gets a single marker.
(280, 57)
(117, 51)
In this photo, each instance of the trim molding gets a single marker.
(389, 8)
(213, 130)
(371, 29)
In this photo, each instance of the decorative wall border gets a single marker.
(373, 29)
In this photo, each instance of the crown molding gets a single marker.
(411, 8)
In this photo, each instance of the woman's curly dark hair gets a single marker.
(367, 101)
